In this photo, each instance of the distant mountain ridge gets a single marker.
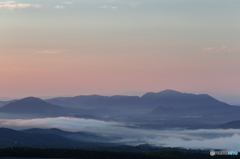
(230, 125)
(167, 98)
(93, 100)
(32, 105)
(168, 102)
(172, 107)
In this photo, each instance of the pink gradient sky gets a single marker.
(111, 47)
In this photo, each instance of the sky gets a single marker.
(59, 47)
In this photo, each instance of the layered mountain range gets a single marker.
(169, 98)
(167, 105)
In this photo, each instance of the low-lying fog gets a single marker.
(199, 139)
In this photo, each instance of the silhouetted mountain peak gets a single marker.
(169, 91)
(31, 105)
(166, 94)
(177, 99)
(30, 100)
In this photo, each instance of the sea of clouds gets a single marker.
(195, 139)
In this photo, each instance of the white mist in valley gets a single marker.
(197, 139)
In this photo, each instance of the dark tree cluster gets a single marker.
(93, 154)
